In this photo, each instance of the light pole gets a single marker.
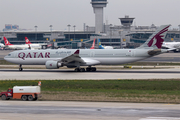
(69, 34)
(36, 32)
(179, 31)
(69, 30)
(87, 31)
(74, 31)
(51, 31)
(69, 27)
(51, 28)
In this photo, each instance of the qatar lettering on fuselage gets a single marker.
(23, 55)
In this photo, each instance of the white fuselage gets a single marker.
(35, 46)
(24, 46)
(108, 47)
(170, 45)
(96, 56)
(16, 47)
(2, 45)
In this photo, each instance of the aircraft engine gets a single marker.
(53, 64)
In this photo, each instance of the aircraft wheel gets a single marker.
(82, 70)
(76, 70)
(88, 69)
(20, 69)
(93, 69)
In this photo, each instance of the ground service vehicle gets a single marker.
(22, 92)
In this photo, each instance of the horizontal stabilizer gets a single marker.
(154, 52)
(158, 51)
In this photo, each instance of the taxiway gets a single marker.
(66, 74)
(48, 110)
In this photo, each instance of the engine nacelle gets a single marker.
(53, 64)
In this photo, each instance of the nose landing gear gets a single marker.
(20, 68)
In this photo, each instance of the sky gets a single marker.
(60, 13)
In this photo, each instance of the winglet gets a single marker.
(77, 52)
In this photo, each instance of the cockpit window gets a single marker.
(9, 54)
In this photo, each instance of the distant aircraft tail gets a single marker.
(6, 41)
(27, 40)
(156, 40)
(100, 46)
(93, 45)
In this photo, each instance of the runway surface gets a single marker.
(69, 74)
(56, 110)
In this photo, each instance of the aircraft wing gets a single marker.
(77, 59)
(73, 58)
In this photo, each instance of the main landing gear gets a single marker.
(20, 68)
(88, 69)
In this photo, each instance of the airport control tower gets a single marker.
(98, 6)
(126, 22)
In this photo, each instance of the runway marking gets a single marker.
(160, 118)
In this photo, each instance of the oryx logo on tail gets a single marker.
(158, 39)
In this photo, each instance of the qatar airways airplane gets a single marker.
(72, 58)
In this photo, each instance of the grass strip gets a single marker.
(4, 62)
(165, 91)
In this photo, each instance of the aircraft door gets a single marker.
(130, 53)
(92, 54)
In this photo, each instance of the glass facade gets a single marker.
(142, 37)
(77, 36)
(125, 21)
(111, 42)
(33, 37)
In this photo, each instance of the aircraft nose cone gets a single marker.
(5, 58)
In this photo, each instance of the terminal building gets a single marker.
(119, 36)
